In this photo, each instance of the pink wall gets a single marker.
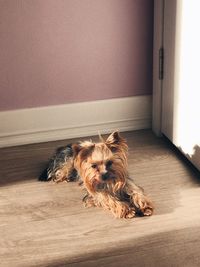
(62, 51)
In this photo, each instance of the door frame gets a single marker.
(157, 82)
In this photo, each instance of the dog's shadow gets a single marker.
(164, 174)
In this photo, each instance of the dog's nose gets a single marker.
(105, 176)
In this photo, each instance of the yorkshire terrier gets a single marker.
(102, 170)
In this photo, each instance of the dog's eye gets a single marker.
(109, 163)
(94, 166)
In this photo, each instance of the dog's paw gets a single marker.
(59, 175)
(130, 214)
(143, 204)
(148, 211)
(88, 202)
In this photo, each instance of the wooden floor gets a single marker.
(42, 224)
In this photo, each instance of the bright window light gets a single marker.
(187, 97)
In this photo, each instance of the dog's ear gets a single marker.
(76, 148)
(83, 149)
(115, 141)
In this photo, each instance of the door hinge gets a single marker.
(161, 63)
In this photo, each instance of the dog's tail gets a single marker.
(43, 176)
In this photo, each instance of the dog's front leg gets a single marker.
(138, 199)
(120, 209)
(142, 203)
(89, 201)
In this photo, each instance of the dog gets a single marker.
(101, 168)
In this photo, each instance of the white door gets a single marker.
(180, 119)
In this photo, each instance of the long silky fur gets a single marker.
(119, 194)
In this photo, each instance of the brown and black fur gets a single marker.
(102, 168)
(60, 166)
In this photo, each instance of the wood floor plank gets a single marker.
(43, 224)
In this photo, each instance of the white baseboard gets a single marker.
(35, 125)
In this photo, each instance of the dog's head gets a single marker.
(102, 165)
